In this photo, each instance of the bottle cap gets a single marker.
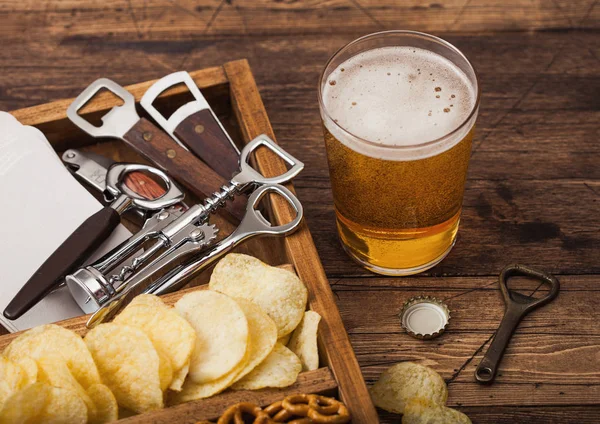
(424, 317)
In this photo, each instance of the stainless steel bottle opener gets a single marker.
(194, 125)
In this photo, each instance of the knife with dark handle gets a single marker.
(194, 125)
(72, 253)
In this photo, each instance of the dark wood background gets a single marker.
(533, 189)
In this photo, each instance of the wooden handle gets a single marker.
(69, 255)
(159, 148)
(204, 136)
(143, 185)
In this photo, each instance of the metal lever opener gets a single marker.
(517, 306)
(90, 234)
(181, 244)
(194, 125)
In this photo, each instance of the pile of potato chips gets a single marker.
(47, 375)
(418, 393)
(233, 335)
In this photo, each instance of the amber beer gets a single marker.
(398, 112)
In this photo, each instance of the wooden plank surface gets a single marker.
(533, 187)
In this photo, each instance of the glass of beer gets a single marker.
(398, 111)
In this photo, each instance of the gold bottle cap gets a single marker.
(424, 317)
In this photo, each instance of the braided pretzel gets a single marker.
(235, 414)
(309, 409)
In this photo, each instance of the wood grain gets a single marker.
(338, 353)
(317, 381)
(532, 193)
(206, 139)
(182, 165)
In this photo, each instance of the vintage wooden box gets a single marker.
(232, 92)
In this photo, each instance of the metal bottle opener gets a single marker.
(517, 306)
(181, 243)
(194, 125)
(124, 123)
(90, 234)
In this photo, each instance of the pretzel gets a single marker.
(235, 414)
(309, 409)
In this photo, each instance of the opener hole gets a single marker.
(172, 99)
(145, 185)
(273, 198)
(264, 152)
(484, 373)
(527, 286)
(103, 95)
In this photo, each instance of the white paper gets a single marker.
(42, 204)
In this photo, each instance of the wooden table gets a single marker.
(533, 191)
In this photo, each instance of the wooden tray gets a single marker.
(232, 92)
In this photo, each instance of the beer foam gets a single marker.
(397, 96)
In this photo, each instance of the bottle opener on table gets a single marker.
(124, 123)
(517, 306)
(91, 233)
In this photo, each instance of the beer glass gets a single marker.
(398, 111)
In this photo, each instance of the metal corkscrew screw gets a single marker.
(180, 243)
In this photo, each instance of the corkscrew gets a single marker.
(180, 243)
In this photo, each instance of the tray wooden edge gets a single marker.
(252, 117)
(254, 121)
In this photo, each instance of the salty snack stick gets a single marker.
(405, 381)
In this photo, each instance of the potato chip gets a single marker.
(263, 335)
(279, 369)
(41, 403)
(171, 335)
(165, 370)
(304, 341)
(284, 340)
(262, 339)
(423, 411)
(107, 409)
(54, 372)
(26, 405)
(30, 368)
(193, 391)
(129, 365)
(278, 292)
(221, 333)
(405, 381)
(53, 340)
(12, 378)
